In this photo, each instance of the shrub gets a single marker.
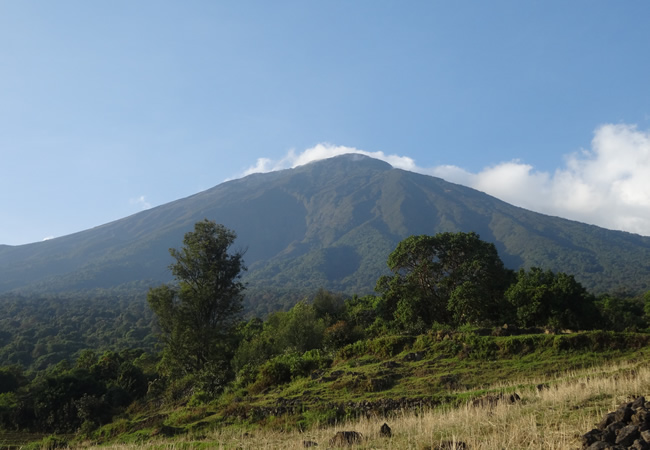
(340, 334)
(572, 342)
(272, 373)
(425, 342)
(52, 442)
(481, 347)
(284, 368)
(388, 346)
(358, 348)
(522, 345)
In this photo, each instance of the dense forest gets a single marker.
(71, 365)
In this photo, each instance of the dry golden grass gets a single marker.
(553, 418)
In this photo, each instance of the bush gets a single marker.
(522, 345)
(572, 342)
(425, 342)
(358, 348)
(481, 347)
(52, 442)
(340, 334)
(284, 368)
(385, 347)
(302, 366)
(272, 373)
(246, 375)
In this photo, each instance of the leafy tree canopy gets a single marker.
(198, 314)
(543, 298)
(450, 278)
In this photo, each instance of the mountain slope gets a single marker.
(330, 224)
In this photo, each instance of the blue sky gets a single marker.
(107, 108)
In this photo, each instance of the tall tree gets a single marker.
(450, 278)
(198, 313)
(544, 298)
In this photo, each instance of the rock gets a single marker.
(345, 438)
(391, 364)
(640, 444)
(600, 445)
(626, 428)
(590, 437)
(414, 356)
(638, 403)
(609, 434)
(627, 435)
(645, 435)
(624, 414)
(385, 431)
(641, 417)
(607, 420)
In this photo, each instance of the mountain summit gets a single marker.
(331, 224)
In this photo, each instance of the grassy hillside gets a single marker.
(443, 386)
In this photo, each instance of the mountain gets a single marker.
(330, 223)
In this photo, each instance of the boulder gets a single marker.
(640, 444)
(345, 438)
(627, 435)
(385, 431)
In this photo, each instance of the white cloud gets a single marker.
(324, 151)
(48, 238)
(608, 185)
(141, 202)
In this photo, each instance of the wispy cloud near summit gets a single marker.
(324, 151)
(607, 185)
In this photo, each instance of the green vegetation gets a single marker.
(451, 278)
(448, 325)
(41, 331)
(199, 316)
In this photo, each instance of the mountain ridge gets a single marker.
(331, 224)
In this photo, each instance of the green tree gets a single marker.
(544, 298)
(645, 298)
(329, 306)
(297, 330)
(199, 313)
(620, 314)
(452, 278)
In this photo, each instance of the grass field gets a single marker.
(566, 384)
(551, 418)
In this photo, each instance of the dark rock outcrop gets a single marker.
(626, 428)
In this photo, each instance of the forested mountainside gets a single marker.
(328, 224)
